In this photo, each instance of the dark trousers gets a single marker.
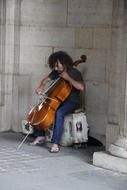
(64, 109)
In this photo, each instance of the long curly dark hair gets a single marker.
(61, 56)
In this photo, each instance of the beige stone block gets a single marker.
(38, 36)
(83, 38)
(9, 59)
(44, 13)
(10, 11)
(116, 61)
(96, 97)
(6, 81)
(94, 68)
(10, 35)
(102, 38)
(13, 12)
(117, 38)
(20, 100)
(8, 84)
(33, 60)
(104, 11)
(89, 12)
(5, 113)
(108, 62)
(2, 91)
(24, 95)
(118, 19)
(96, 65)
(97, 123)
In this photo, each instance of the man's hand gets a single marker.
(65, 75)
(41, 87)
(77, 84)
(39, 91)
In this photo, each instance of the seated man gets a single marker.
(62, 66)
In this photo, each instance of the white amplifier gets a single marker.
(75, 129)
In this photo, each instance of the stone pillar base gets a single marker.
(119, 148)
(107, 161)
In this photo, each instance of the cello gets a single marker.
(42, 115)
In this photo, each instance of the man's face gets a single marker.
(59, 67)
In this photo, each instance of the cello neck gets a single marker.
(81, 60)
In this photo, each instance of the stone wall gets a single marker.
(32, 31)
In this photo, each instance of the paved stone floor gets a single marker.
(35, 168)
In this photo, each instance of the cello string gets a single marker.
(43, 94)
(51, 99)
(47, 97)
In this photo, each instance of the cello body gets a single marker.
(42, 115)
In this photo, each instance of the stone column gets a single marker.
(119, 146)
(114, 157)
